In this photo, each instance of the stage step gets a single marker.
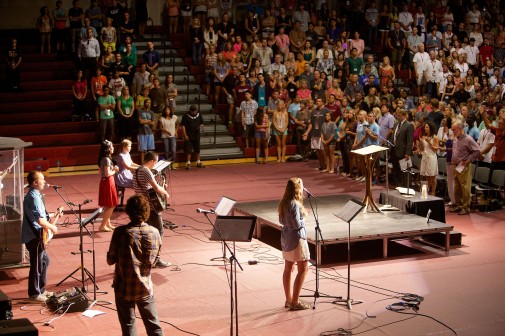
(438, 238)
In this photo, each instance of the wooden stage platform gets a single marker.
(367, 230)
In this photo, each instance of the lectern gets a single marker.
(369, 155)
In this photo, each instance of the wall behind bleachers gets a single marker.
(23, 14)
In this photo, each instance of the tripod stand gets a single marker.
(81, 267)
(318, 233)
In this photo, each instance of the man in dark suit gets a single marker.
(402, 138)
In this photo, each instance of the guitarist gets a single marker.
(35, 219)
(142, 182)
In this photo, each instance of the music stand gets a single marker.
(223, 208)
(367, 155)
(347, 214)
(233, 228)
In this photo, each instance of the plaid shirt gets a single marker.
(133, 249)
(249, 109)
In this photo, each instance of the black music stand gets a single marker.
(233, 228)
(347, 214)
(223, 208)
(82, 225)
(319, 238)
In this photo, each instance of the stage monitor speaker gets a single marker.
(18, 327)
(70, 300)
(5, 307)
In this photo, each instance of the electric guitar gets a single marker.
(45, 234)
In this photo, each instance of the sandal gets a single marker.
(287, 304)
(301, 305)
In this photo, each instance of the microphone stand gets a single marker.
(233, 278)
(317, 229)
(387, 206)
(81, 252)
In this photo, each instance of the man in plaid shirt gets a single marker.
(134, 249)
(248, 109)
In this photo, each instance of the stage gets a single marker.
(462, 287)
(369, 229)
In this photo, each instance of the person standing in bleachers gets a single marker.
(13, 59)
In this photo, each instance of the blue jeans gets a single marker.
(170, 148)
(147, 310)
(197, 53)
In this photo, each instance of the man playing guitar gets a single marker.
(35, 219)
(142, 182)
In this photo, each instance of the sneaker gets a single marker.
(188, 166)
(38, 298)
(200, 165)
(48, 294)
(375, 182)
(363, 179)
(456, 209)
(161, 263)
(463, 212)
(300, 306)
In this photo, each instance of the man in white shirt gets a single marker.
(320, 52)
(472, 55)
(303, 16)
(264, 54)
(433, 72)
(405, 19)
(421, 57)
(486, 143)
(277, 65)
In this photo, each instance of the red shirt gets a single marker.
(486, 52)
(499, 144)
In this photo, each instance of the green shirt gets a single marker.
(106, 114)
(354, 65)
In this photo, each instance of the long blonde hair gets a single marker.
(293, 192)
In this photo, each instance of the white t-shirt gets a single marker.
(420, 60)
(406, 19)
(433, 70)
(169, 125)
(471, 54)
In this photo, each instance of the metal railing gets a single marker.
(186, 80)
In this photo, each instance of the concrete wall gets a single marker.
(19, 14)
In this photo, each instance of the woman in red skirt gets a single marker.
(107, 195)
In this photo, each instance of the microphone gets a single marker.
(205, 211)
(89, 200)
(55, 187)
(308, 192)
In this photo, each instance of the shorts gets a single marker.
(396, 55)
(186, 13)
(420, 78)
(146, 142)
(316, 143)
(192, 145)
(260, 135)
(277, 133)
(248, 131)
(300, 253)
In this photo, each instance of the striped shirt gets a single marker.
(133, 249)
(141, 180)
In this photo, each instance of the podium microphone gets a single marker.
(205, 211)
(308, 192)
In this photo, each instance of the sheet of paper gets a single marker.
(92, 313)
(405, 191)
(460, 167)
(405, 164)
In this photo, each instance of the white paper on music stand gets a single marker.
(369, 150)
(406, 191)
(460, 167)
(224, 206)
(405, 164)
(350, 210)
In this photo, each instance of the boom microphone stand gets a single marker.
(317, 229)
(387, 206)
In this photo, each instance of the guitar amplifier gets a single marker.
(18, 327)
(70, 300)
(5, 307)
